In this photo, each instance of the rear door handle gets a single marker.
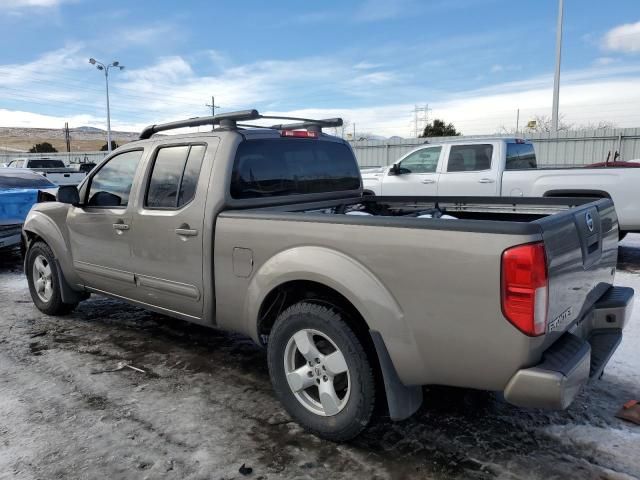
(428, 181)
(486, 180)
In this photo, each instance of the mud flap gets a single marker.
(403, 401)
(66, 292)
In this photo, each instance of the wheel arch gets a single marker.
(573, 192)
(326, 270)
(40, 227)
(323, 275)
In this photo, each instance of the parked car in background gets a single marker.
(265, 232)
(52, 168)
(505, 167)
(19, 191)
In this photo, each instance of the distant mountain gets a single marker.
(86, 129)
(83, 139)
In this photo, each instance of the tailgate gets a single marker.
(582, 247)
(63, 177)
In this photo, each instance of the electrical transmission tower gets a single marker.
(420, 119)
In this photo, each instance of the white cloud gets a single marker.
(623, 38)
(604, 61)
(13, 5)
(62, 85)
(377, 10)
(17, 118)
(144, 35)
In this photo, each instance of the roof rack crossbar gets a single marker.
(308, 124)
(222, 119)
(230, 119)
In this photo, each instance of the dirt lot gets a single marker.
(203, 406)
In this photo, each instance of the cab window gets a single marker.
(470, 158)
(111, 185)
(423, 161)
(174, 177)
(520, 156)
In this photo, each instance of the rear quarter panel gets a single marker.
(434, 295)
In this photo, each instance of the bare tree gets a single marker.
(543, 124)
(601, 125)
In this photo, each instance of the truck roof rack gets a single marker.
(229, 120)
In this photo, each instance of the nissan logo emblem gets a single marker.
(589, 218)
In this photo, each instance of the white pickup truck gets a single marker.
(504, 167)
(54, 169)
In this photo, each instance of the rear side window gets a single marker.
(470, 158)
(46, 163)
(277, 167)
(520, 156)
(174, 176)
(111, 185)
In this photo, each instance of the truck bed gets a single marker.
(408, 273)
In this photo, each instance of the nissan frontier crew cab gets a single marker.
(265, 231)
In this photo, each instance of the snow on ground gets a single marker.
(204, 406)
(620, 443)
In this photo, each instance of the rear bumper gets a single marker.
(577, 356)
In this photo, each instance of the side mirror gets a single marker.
(68, 194)
(395, 169)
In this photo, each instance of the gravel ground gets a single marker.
(203, 406)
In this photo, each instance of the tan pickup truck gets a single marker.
(265, 231)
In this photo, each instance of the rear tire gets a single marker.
(320, 371)
(43, 279)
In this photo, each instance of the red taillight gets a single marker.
(525, 288)
(298, 134)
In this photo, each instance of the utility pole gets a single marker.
(517, 121)
(354, 131)
(213, 107)
(67, 136)
(556, 78)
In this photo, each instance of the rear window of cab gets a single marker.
(292, 166)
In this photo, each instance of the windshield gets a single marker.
(23, 180)
(276, 167)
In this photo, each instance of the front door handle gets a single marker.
(185, 231)
(486, 180)
(428, 181)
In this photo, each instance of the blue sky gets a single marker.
(475, 62)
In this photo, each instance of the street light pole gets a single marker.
(556, 78)
(106, 81)
(105, 69)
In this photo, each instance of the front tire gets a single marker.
(320, 371)
(43, 279)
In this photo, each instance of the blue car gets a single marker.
(19, 191)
